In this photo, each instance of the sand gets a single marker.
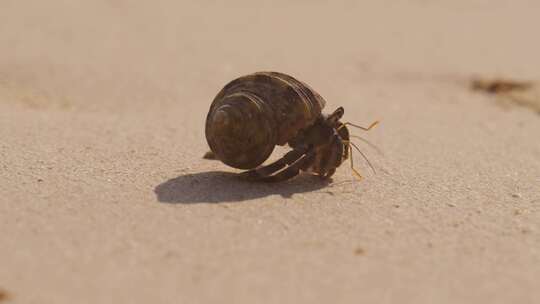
(105, 197)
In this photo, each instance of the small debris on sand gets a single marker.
(3, 295)
(499, 86)
(523, 93)
(359, 251)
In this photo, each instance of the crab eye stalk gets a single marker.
(336, 115)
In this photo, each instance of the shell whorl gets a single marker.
(253, 113)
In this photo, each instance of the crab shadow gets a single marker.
(222, 187)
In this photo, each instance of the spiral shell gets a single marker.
(254, 113)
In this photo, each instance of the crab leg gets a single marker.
(264, 171)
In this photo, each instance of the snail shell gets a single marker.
(254, 113)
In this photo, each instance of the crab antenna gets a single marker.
(373, 124)
(367, 142)
(364, 156)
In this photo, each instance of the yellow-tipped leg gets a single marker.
(349, 147)
(373, 124)
(352, 164)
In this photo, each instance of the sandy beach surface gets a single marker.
(105, 197)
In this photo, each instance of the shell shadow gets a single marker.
(222, 187)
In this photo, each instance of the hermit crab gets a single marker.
(254, 113)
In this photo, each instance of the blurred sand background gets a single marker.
(104, 196)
